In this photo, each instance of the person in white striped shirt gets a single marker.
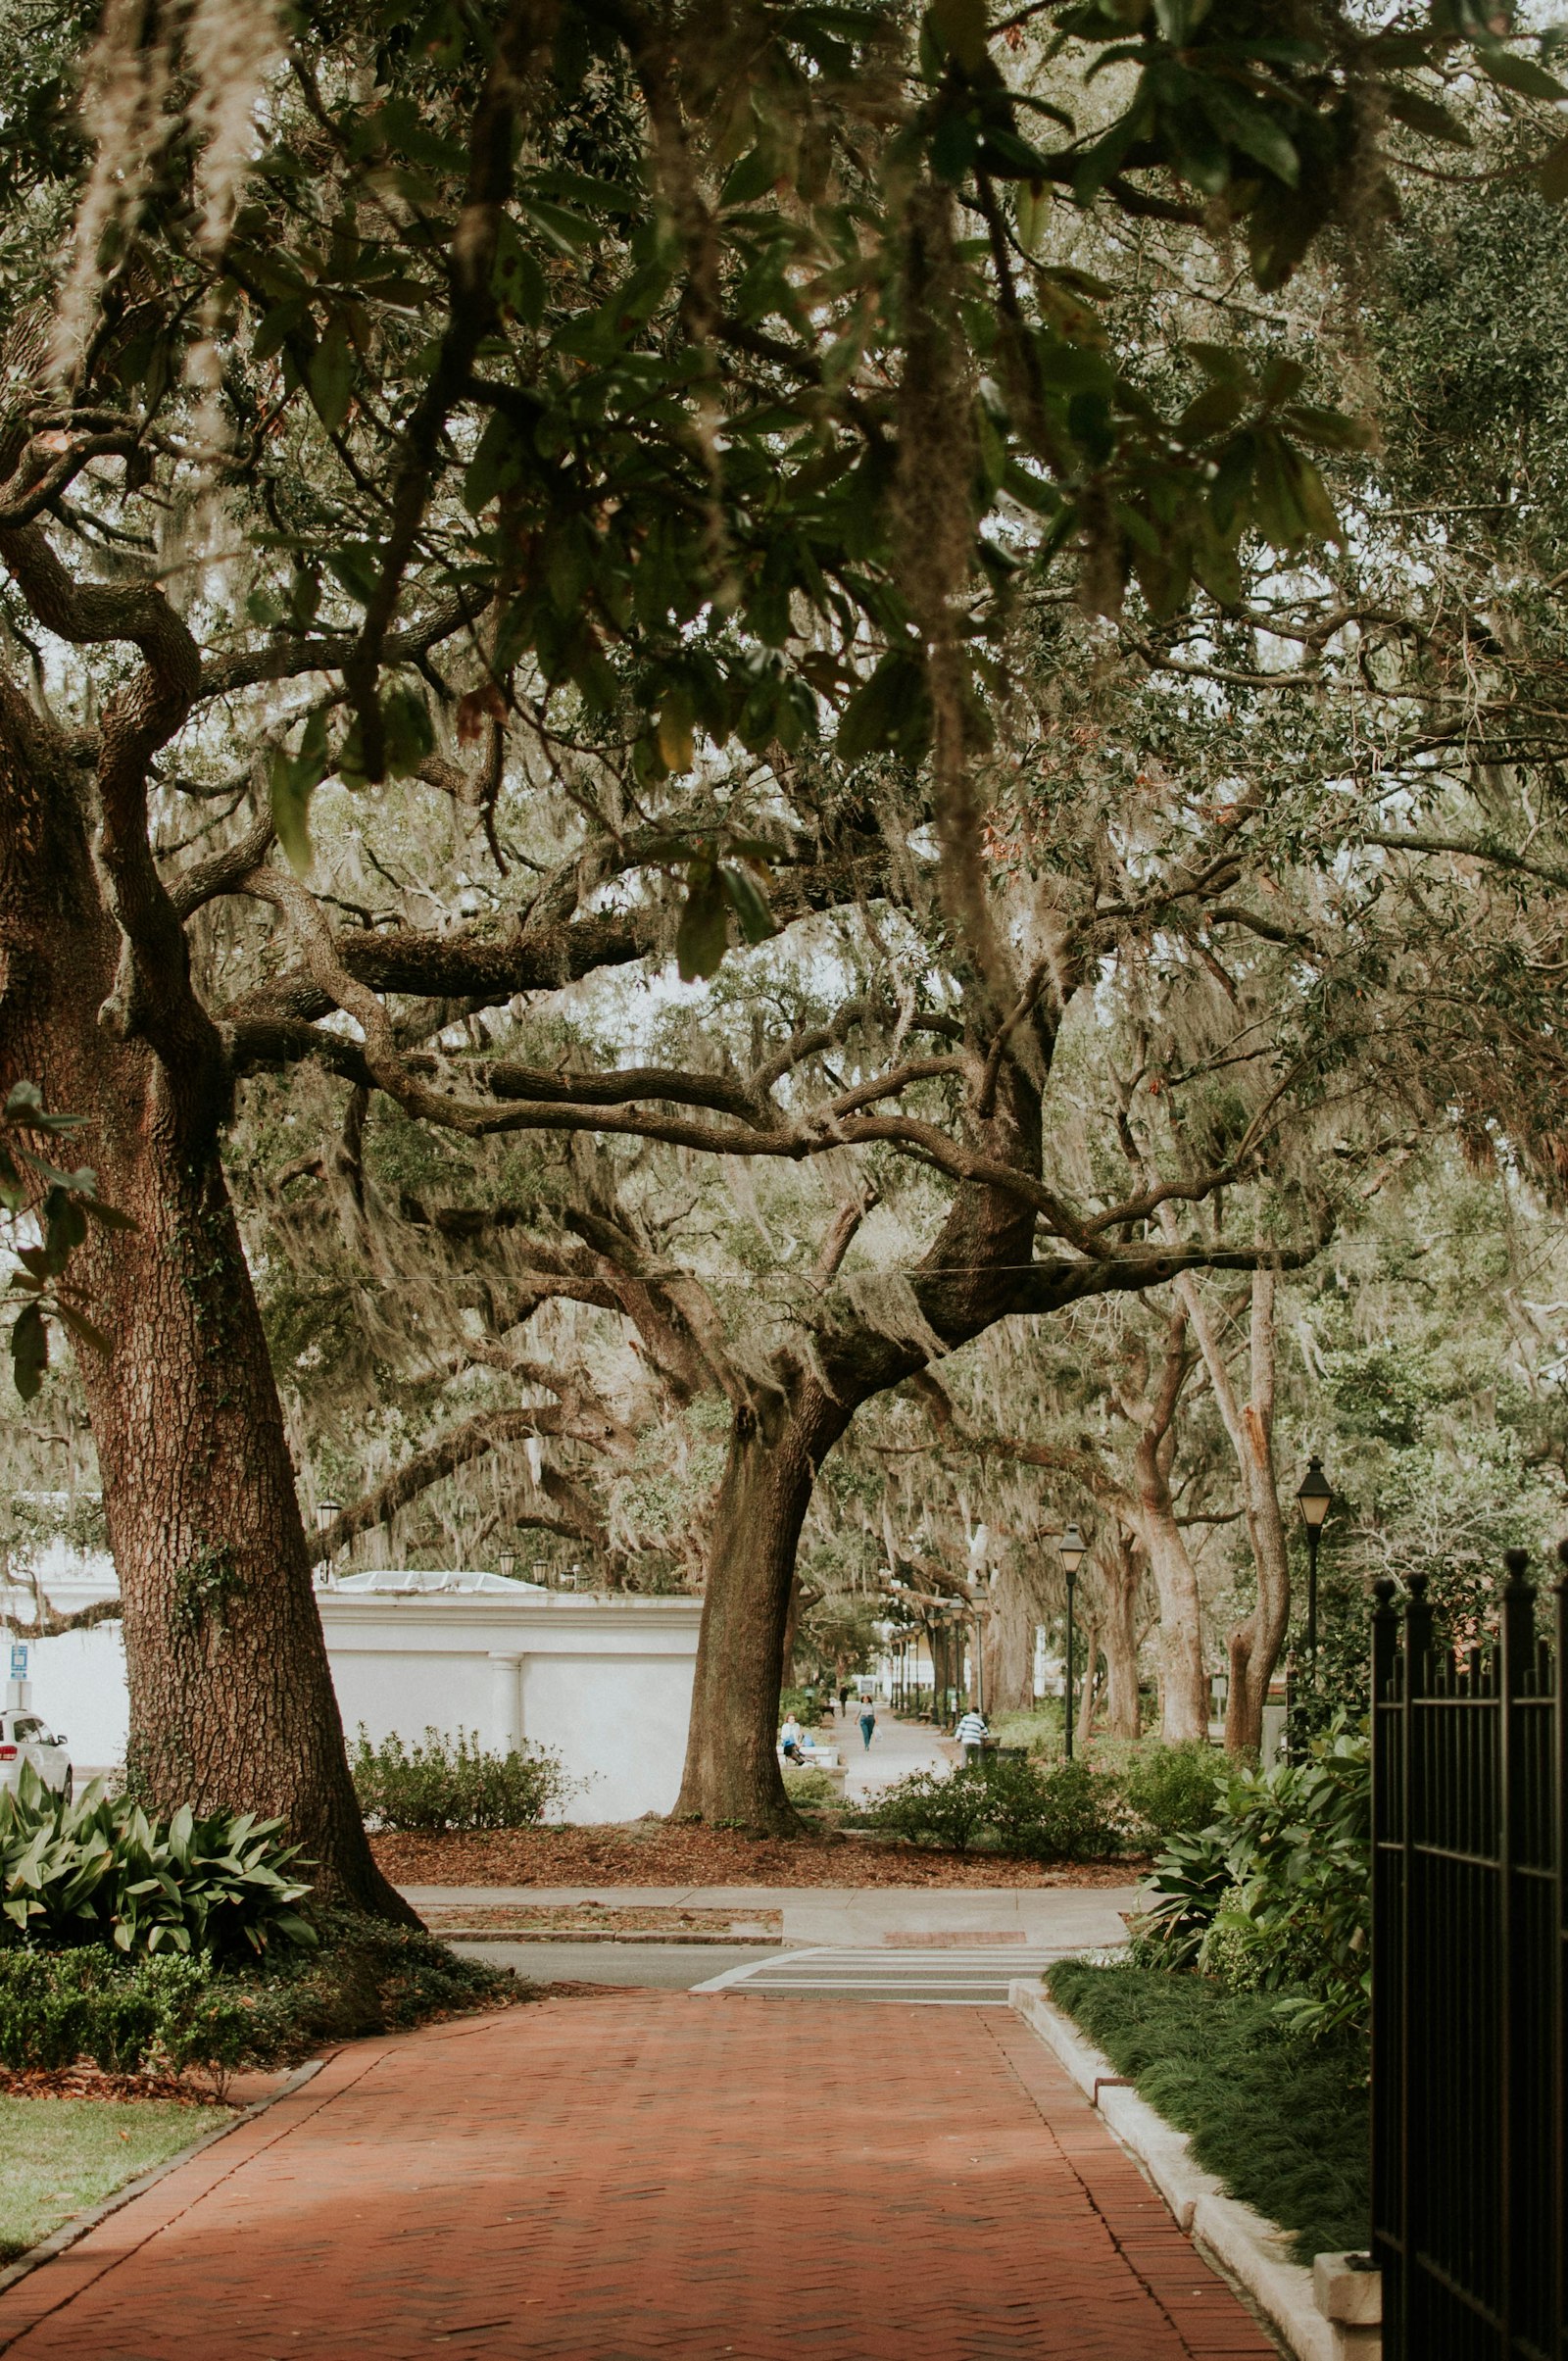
(971, 1735)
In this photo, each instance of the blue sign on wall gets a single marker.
(19, 1659)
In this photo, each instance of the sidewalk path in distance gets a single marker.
(648, 2177)
(897, 1749)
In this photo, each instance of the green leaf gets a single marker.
(1245, 125)
(332, 376)
(749, 902)
(874, 715)
(1523, 74)
(410, 733)
(292, 788)
(29, 1352)
(703, 937)
(1426, 115)
(1551, 173)
(961, 27)
(674, 732)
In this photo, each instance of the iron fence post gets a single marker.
(1388, 1980)
(1558, 2063)
(1515, 1650)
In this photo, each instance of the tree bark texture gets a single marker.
(732, 1772)
(1254, 1643)
(231, 1699)
(1120, 1580)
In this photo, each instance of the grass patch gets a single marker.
(60, 2155)
(1282, 2121)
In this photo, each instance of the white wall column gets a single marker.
(506, 1700)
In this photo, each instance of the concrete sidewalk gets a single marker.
(1065, 1918)
(646, 2177)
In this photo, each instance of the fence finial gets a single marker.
(1516, 1561)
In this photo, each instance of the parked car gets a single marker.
(24, 1737)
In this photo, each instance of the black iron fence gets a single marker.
(1470, 2009)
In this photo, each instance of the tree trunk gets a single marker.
(232, 1700)
(1009, 1648)
(732, 1776)
(1121, 1574)
(1254, 1645)
(1184, 1683)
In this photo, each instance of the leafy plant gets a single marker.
(1066, 1812)
(445, 1783)
(102, 1870)
(1172, 1788)
(809, 1787)
(187, 2011)
(1275, 1895)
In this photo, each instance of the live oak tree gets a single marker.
(455, 389)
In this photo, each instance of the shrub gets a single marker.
(1173, 1789)
(182, 2010)
(805, 1703)
(102, 1870)
(1275, 1895)
(811, 1786)
(451, 1783)
(1064, 1812)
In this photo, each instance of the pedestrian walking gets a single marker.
(867, 1720)
(971, 1735)
(844, 1698)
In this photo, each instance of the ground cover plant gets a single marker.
(445, 1782)
(60, 2156)
(102, 1870)
(179, 2012)
(1279, 2117)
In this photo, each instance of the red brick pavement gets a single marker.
(646, 2176)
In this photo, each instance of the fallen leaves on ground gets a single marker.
(653, 1853)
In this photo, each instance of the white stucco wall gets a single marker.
(602, 1681)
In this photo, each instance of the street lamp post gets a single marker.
(327, 1513)
(1073, 1550)
(1314, 1498)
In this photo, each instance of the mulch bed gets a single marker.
(652, 1853)
(83, 2080)
(594, 1918)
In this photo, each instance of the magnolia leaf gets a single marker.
(292, 788)
(1520, 73)
(703, 937)
(29, 1350)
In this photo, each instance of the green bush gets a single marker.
(101, 1870)
(451, 1783)
(1062, 1812)
(1275, 1895)
(1173, 1789)
(805, 1703)
(811, 1786)
(182, 2010)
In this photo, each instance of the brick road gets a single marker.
(648, 2175)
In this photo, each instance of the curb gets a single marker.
(1246, 2248)
(81, 2223)
(577, 1935)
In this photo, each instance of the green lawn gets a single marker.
(60, 2155)
(1281, 2121)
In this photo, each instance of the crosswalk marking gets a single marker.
(976, 1977)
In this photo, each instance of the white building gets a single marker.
(604, 1681)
